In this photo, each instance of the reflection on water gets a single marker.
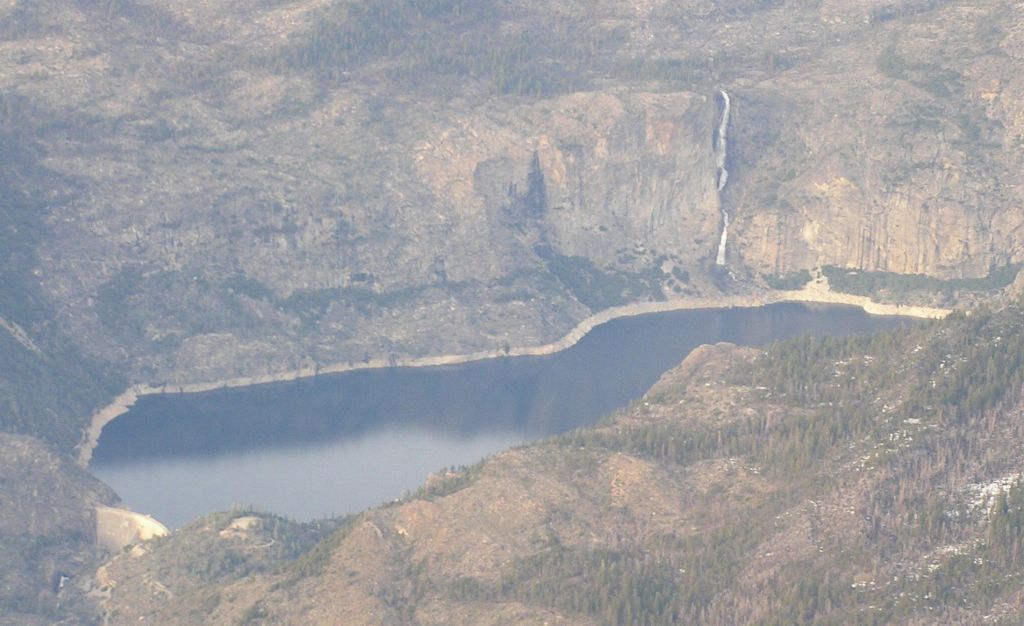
(340, 443)
(315, 481)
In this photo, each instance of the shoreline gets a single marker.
(123, 402)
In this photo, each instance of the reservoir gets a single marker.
(340, 443)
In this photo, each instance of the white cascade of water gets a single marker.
(720, 258)
(722, 152)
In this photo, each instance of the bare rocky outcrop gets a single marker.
(198, 192)
(215, 219)
(904, 165)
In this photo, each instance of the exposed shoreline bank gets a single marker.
(117, 527)
(123, 402)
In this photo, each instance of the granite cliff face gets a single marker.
(200, 190)
(444, 247)
(223, 189)
(902, 154)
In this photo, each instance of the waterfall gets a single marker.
(722, 152)
(720, 259)
(723, 138)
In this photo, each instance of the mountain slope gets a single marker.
(864, 480)
(200, 190)
(240, 188)
(47, 534)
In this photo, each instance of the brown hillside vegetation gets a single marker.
(863, 480)
(47, 531)
(199, 190)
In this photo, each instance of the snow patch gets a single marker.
(983, 496)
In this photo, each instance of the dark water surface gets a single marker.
(343, 442)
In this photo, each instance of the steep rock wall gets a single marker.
(910, 164)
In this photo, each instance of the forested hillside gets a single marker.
(47, 386)
(200, 190)
(863, 480)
